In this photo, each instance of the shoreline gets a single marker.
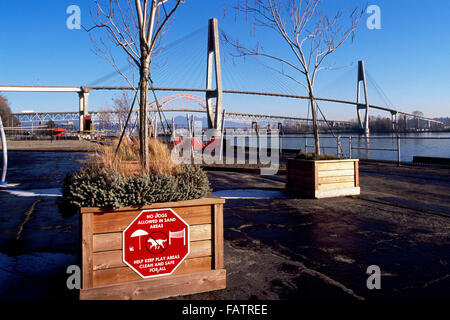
(49, 146)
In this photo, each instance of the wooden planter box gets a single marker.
(323, 178)
(106, 276)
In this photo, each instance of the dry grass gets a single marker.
(127, 161)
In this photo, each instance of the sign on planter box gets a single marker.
(155, 243)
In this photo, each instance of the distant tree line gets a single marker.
(6, 113)
(445, 120)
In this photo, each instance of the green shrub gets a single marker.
(94, 189)
(192, 183)
(107, 188)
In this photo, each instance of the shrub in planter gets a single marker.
(107, 188)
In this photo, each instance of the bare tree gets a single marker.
(105, 118)
(121, 105)
(136, 26)
(310, 34)
(418, 113)
(9, 120)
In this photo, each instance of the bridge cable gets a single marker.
(128, 118)
(329, 127)
(380, 91)
(158, 107)
(130, 66)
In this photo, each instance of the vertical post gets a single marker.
(306, 144)
(398, 150)
(257, 138)
(338, 146)
(190, 135)
(350, 147)
(173, 129)
(280, 128)
(5, 154)
(222, 131)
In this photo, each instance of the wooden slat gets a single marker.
(113, 241)
(107, 241)
(200, 232)
(218, 236)
(107, 260)
(113, 259)
(330, 186)
(209, 200)
(337, 192)
(201, 248)
(159, 288)
(118, 221)
(336, 173)
(337, 161)
(335, 166)
(86, 247)
(124, 274)
(326, 180)
(357, 174)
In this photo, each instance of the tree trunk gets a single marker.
(143, 118)
(315, 127)
(314, 117)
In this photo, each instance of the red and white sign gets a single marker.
(155, 243)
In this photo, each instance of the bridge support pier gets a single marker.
(364, 127)
(83, 106)
(394, 117)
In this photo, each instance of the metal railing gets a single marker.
(351, 147)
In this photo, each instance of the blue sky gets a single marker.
(408, 58)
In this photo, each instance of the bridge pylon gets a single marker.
(213, 55)
(364, 127)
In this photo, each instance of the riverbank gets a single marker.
(277, 247)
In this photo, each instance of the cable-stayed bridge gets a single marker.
(189, 101)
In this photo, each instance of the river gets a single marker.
(431, 144)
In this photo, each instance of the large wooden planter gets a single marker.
(106, 276)
(323, 178)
